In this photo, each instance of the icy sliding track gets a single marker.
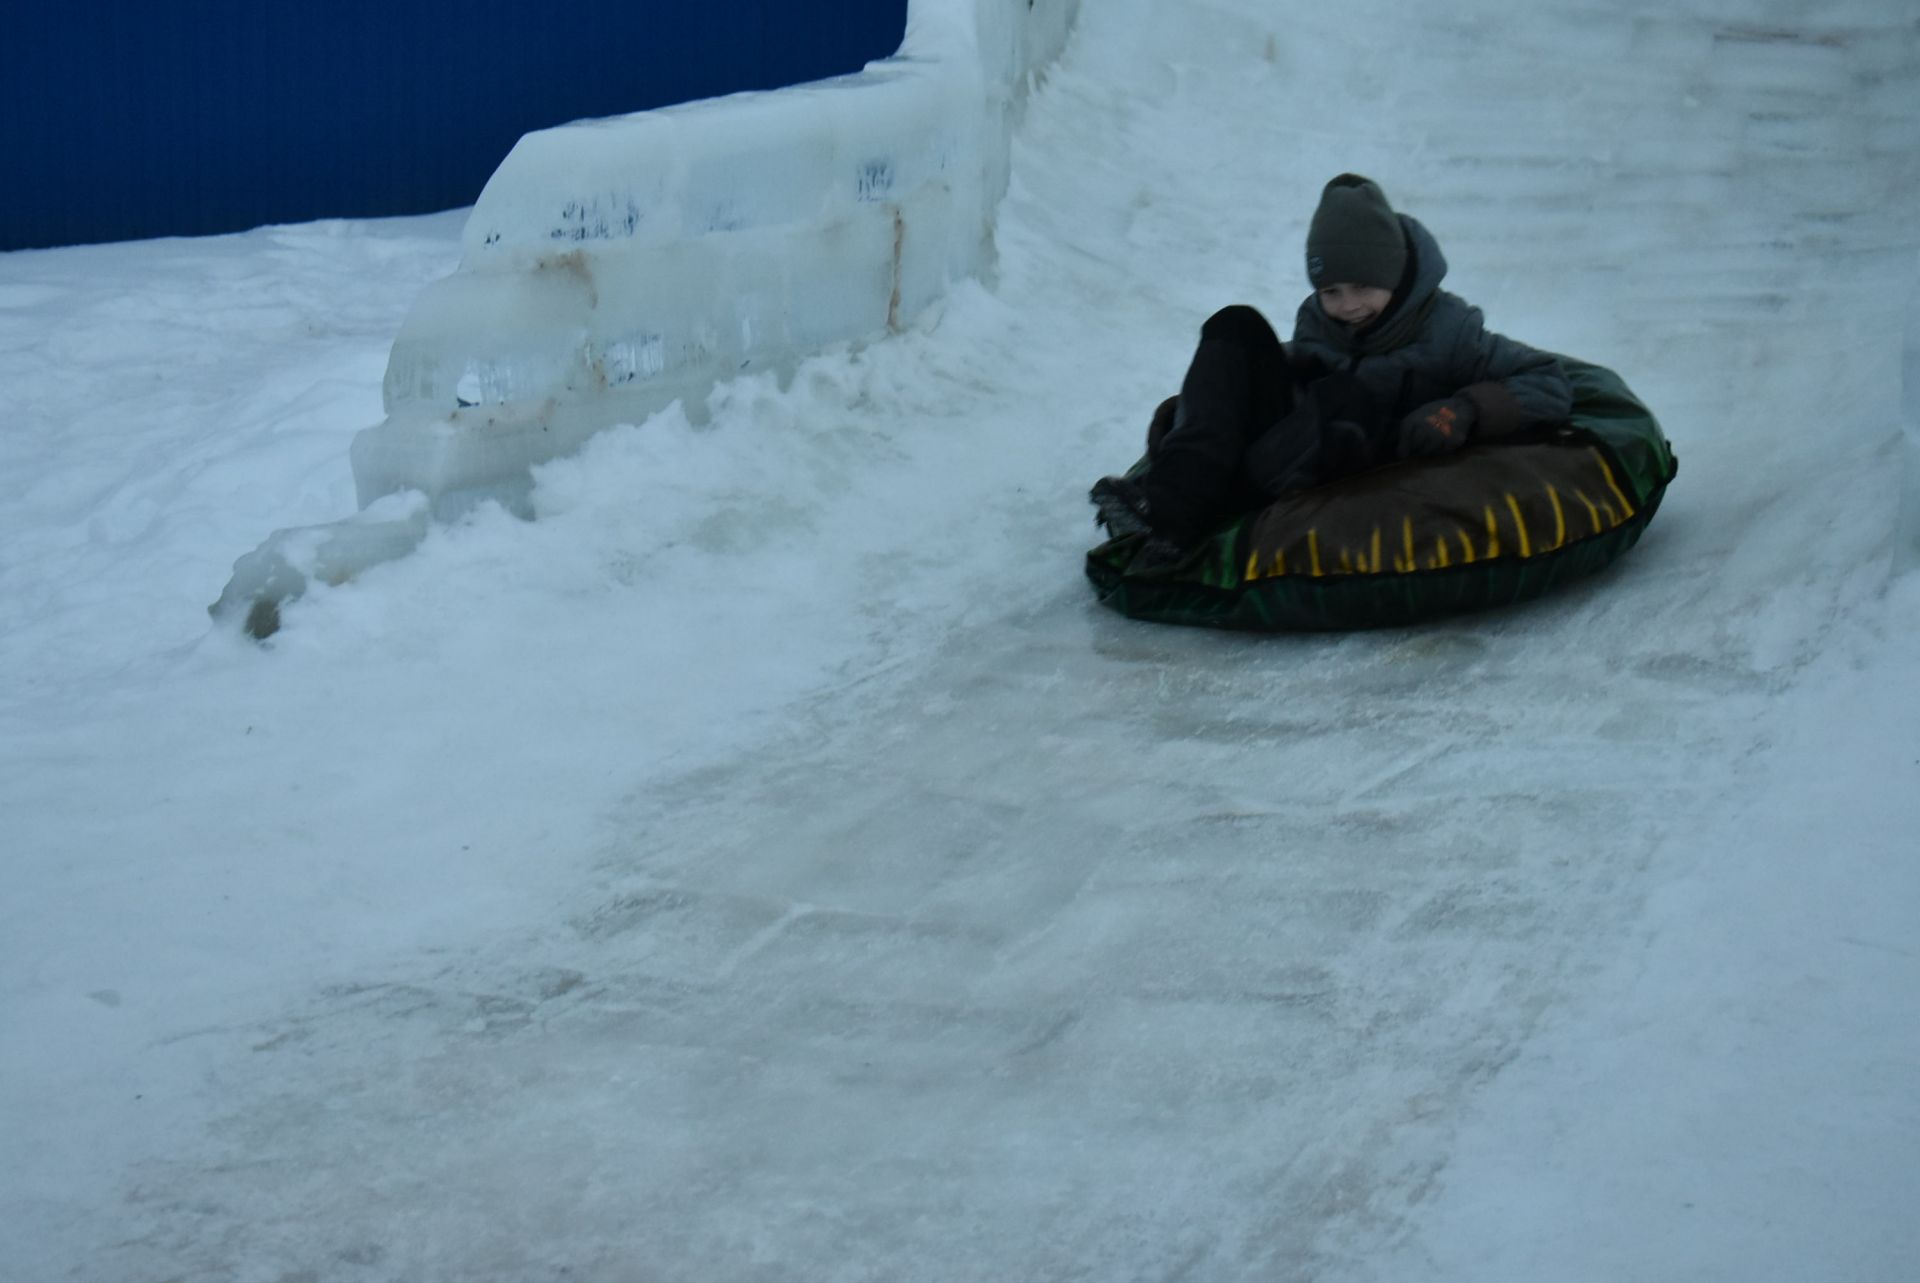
(615, 266)
(770, 863)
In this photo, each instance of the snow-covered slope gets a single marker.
(771, 864)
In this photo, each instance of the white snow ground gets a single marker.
(772, 864)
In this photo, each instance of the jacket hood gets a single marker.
(1429, 264)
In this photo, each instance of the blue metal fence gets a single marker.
(122, 121)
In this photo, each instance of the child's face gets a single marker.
(1354, 305)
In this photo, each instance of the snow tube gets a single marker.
(1488, 525)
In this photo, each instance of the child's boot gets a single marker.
(1122, 507)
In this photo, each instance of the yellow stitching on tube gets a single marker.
(1593, 511)
(1466, 545)
(1559, 519)
(1520, 524)
(1407, 531)
(1313, 551)
(1346, 561)
(1493, 534)
(1374, 566)
(1626, 504)
(1440, 544)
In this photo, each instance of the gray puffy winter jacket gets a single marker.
(1430, 345)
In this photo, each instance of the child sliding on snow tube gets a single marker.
(1384, 365)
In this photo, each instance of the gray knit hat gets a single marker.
(1355, 237)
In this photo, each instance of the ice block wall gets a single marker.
(613, 266)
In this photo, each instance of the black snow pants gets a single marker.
(1249, 427)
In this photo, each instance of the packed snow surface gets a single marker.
(770, 863)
